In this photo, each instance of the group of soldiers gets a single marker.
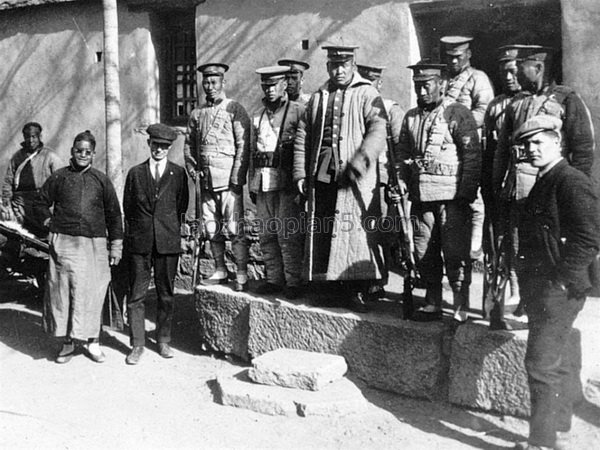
(325, 172)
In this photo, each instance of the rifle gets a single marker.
(198, 230)
(23, 236)
(408, 262)
(496, 274)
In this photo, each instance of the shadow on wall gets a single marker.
(53, 75)
(240, 35)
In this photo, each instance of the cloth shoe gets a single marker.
(135, 355)
(241, 282)
(94, 352)
(66, 353)
(357, 303)
(428, 313)
(219, 277)
(460, 315)
(165, 350)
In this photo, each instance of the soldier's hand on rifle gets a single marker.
(301, 185)
(253, 197)
(395, 193)
(5, 212)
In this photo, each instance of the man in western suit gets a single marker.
(154, 202)
(558, 240)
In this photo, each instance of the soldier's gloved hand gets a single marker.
(235, 188)
(301, 185)
(253, 197)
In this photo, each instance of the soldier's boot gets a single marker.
(460, 294)
(220, 275)
(433, 309)
(240, 247)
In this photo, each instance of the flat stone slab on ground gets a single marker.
(298, 369)
(339, 398)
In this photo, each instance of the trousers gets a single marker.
(442, 238)
(281, 236)
(165, 269)
(552, 375)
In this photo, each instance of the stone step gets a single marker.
(298, 369)
(339, 398)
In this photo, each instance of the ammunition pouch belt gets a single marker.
(427, 166)
(266, 159)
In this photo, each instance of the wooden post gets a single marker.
(114, 157)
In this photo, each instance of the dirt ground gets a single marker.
(170, 403)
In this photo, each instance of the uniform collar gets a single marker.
(280, 104)
(217, 101)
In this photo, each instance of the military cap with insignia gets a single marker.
(426, 70)
(536, 125)
(370, 72)
(161, 133)
(271, 75)
(213, 69)
(535, 53)
(294, 65)
(509, 52)
(456, 45)
(340, 53)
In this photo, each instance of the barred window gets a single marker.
(183, 74)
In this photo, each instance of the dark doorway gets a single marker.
(491, 24)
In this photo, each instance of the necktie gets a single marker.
(156, 173)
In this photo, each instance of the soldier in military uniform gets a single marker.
(513, 175)
(217, 150)
(440, 162)
(395, 114)
(336, 153)
(472, 88)
(496, 211)
(295, 80)
(271, 185)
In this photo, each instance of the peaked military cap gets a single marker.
(294, 65)
(161, 133)
(535, 53)
(509, 52)
(340, 53)
(426, 70)
(456, 45)
(537, 124)
(272, 74)
(370, 72)
(213, 69)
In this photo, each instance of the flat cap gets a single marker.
(340, 53)
(161, 133)
(425, 70)
(455, 45)
(272, 74)
(370, 72)
(294, 64)
(535, 53)
(537, 124)
(213, 69)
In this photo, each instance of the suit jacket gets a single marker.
(153, 213)
(558, 237)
